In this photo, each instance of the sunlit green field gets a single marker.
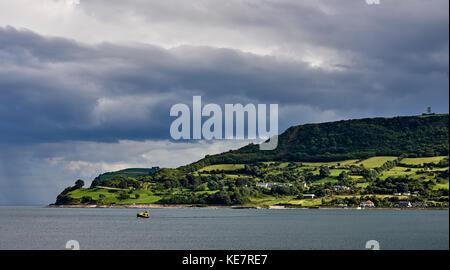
(226, 167)
(267, 200)
(420, 161)
(375, 162)
(136, 197)
(144, 195)
(398, 171)
(441, 186)
(362, 185)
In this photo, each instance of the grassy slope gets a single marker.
(344, 140)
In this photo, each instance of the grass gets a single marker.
(310, 202)
(336, 172)
(441, 186)
(375, 162)
(268, 200)
(398, 171)
(363, 185)
(422, 160)
(325, 180)
(143, 198)
(144, 195)
(226, 167)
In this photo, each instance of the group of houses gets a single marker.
(400, 204)
(402, 194)
(406, 193)
(341, 188)
(271, 184)
(368, 203)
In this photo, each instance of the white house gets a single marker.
(264, 185)
(270, 185)
(303, 184)
(367, 204)
(341, 188)
(283, 184)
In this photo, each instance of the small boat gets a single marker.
(144, 214)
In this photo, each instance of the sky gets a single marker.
(86, 86)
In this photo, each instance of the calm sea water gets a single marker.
(201, 228)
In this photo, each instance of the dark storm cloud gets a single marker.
(57, 89)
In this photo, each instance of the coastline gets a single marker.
(180, 206)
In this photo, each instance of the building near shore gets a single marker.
(419, 204)
(341, 188)
(403, 204)
(308, 196)
(270, 185)
(368, 203)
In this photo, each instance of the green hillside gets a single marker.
(385, 160)
(414, 136)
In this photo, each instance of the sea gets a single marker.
(40, 228)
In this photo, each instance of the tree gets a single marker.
(324, 171)
(79, 184)
(123, 195)
(342, 176)
(95, 183)
(86, 199)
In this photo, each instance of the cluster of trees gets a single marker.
(118, 181)
(234, 196)
(399, 184)
(283, 190)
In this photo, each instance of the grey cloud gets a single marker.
(56, 89)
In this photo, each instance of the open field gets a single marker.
(362, 185)
(420, 161)
(398, 171)
(226, 167)
(441, 186)
(375, 162)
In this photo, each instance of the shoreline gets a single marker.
(181, 206)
